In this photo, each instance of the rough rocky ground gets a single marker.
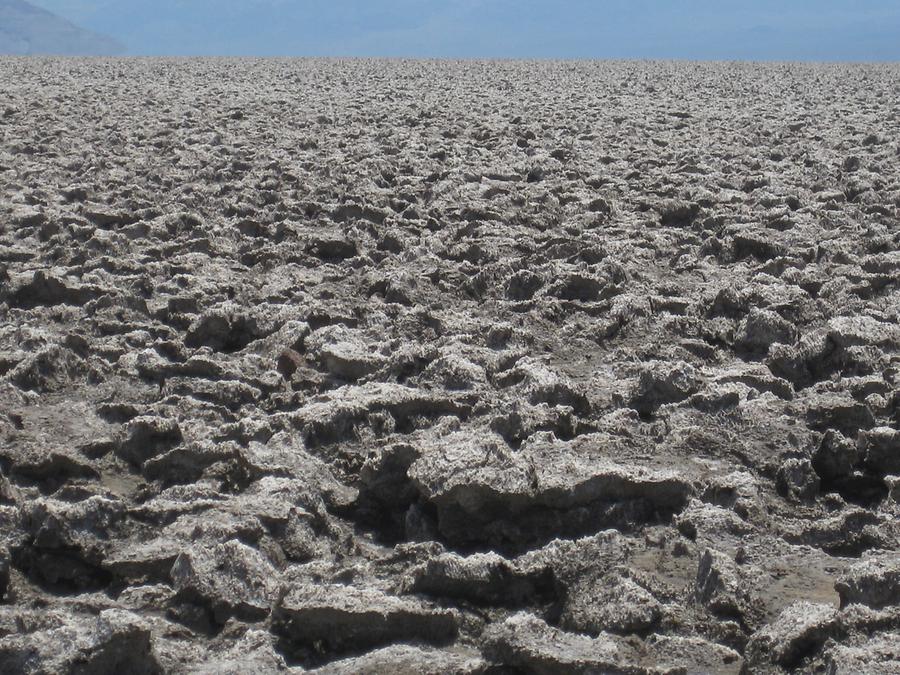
(362, 367)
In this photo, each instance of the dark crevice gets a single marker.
(326, 638)
(515, 532)
(865, 490)
(63, 571)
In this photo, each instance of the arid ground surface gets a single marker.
(435, 367)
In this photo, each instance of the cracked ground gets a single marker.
(449, 367)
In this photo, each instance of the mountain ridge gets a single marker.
(803, 30)
(26, 30)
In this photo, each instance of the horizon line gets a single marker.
(474, 59)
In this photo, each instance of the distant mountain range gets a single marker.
(26, 29)
(862, 30)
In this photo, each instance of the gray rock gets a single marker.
(800, 630)
(340, 415)
(848, 532)
(763, 328)
(230, 394)
(409, 660)
(578, 286)
(232, 579)
(711, 524)
(49, 370)
(852, 331)
(344, 353)
(186, 463)
(343, 619)
(840, 412)
(880, 450)
(483, 579)
(677, 213)
(571, 560)
(526, 643)
(874, 655)
(227, 328)
(143, 562)
(836, 456)
(484, 492)
(384, 475)
(522, 420)
(111, 642)
(51, 466)
(694, 655)
(874, 582)
(253, 651)
(51, 289)
(661, 383)
(455, 372)
(145, 437)
(523, 285)
(66, 542)
(613, 603)
(797, 480)
(543, 385)
(722, 587)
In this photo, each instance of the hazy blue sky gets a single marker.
(858, 30)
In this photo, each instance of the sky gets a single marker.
(771, 30)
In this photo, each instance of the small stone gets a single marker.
(761, 329)
(662, 383)
(677, 213)
(719, 585)
(145, 437)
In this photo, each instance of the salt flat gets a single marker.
(449, 367)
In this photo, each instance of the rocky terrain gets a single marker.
(435, 367)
